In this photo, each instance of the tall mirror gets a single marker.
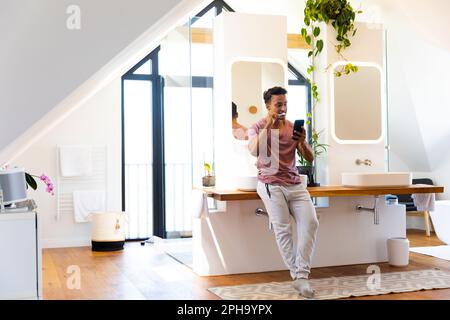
(357, 105)
(249, 81)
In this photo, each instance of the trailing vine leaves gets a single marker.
(340, 14)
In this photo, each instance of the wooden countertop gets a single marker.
(328, 191)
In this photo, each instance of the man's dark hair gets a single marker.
(275, 91)
(234, 110)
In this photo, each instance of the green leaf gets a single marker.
(308, 40)
(30, 181)
(207, 168)
(320, 45)
(316, 31)
(304, 33)
(310, 54)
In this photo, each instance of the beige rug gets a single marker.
(341, 287)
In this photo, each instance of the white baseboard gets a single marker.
(65, 243)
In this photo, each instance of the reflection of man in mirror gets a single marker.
(239, 131)
(281, 190)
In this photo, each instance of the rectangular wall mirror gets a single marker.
(357, 105)
(249, 80)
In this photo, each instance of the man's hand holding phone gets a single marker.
(299, 133)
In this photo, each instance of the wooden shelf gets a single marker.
(328, 191)
(205, 36)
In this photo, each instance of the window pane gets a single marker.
(292, 76)
(201, 45)
(177, 148)
(202, 60)
(297, 103)
(175, 67)
(146, 68)
(205, 21)
(138, 158)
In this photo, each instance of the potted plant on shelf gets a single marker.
(307, 168)
(208, 180)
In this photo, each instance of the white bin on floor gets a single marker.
(108, 230)
(398, 252)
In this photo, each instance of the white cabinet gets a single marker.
(20, 256)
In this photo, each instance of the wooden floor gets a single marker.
(144, 272)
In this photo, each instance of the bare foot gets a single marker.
(303, 287)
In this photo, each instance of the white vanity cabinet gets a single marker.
(20, 256)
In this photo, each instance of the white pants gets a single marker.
(281, 202)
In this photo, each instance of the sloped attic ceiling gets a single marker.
(42, 61)
(418, 57)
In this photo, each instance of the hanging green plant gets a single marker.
(341, 15)
(338, 13)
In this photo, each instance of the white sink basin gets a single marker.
(376, 179)
(247, 183)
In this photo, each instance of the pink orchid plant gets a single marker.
(31, 182)
(44, 178)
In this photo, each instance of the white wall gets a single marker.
(367, 47)
(42, 61)
(418, 54)
(96, 122)
(48, 70)
(292, 9)
(418, 64)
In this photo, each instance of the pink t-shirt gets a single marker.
(278, 167)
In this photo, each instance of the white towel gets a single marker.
(87, 201)
(199, 204)
(424, 201)
(75, 161)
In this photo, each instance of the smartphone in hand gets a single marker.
(298, 125)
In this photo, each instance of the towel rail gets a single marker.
(65, 186)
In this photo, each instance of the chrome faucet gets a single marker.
(374, 210)
(366, 162)
(260, 213)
